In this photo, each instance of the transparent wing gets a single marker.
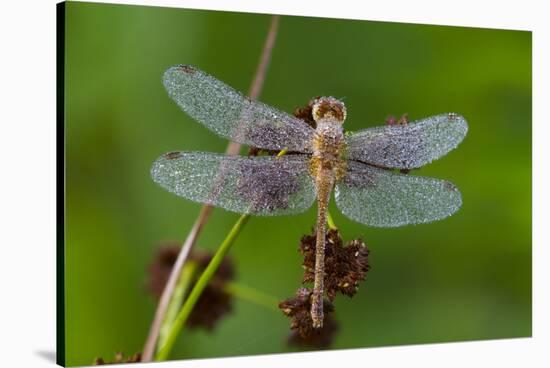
(408, 146)
(382, 198)
(231, 115)
(256, 185)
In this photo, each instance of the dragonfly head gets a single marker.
(328, 108)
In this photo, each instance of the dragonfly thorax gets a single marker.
(328, 144)
(329, 114)
(328, 148)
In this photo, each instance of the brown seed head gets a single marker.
(403, 120)
(345, 266)
(319, 338)
(304, 334)
(306, 113)
(214, 302)
(119, 359)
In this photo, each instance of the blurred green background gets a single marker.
(465, 278)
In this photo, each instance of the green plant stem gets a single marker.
(206, 210)
(282, 152)
(251, 295)
(233, 288)
(330, 222)
(203, 280)
(177, 300)
(172, 327)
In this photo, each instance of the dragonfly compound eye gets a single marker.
(329, 108)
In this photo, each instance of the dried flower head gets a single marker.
(213, 303)
(319, 338)
(403, 120)
(345, 266)
(159, 270)
(119, 359)
(304, 334)
(306, 113)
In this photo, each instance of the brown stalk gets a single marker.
(204, 214)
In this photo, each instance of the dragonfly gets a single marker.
(361, 168)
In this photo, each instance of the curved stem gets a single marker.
(164, 302)
(282, 152)
(203, 280)
(258, 82)
(206, 210)
(177, 299)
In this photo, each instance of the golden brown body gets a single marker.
(326, 167)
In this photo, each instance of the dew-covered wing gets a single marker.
(264, 186)
(408, 146)
(383, 198)
(232, 115)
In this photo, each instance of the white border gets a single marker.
(27, 151)
(484, 13)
